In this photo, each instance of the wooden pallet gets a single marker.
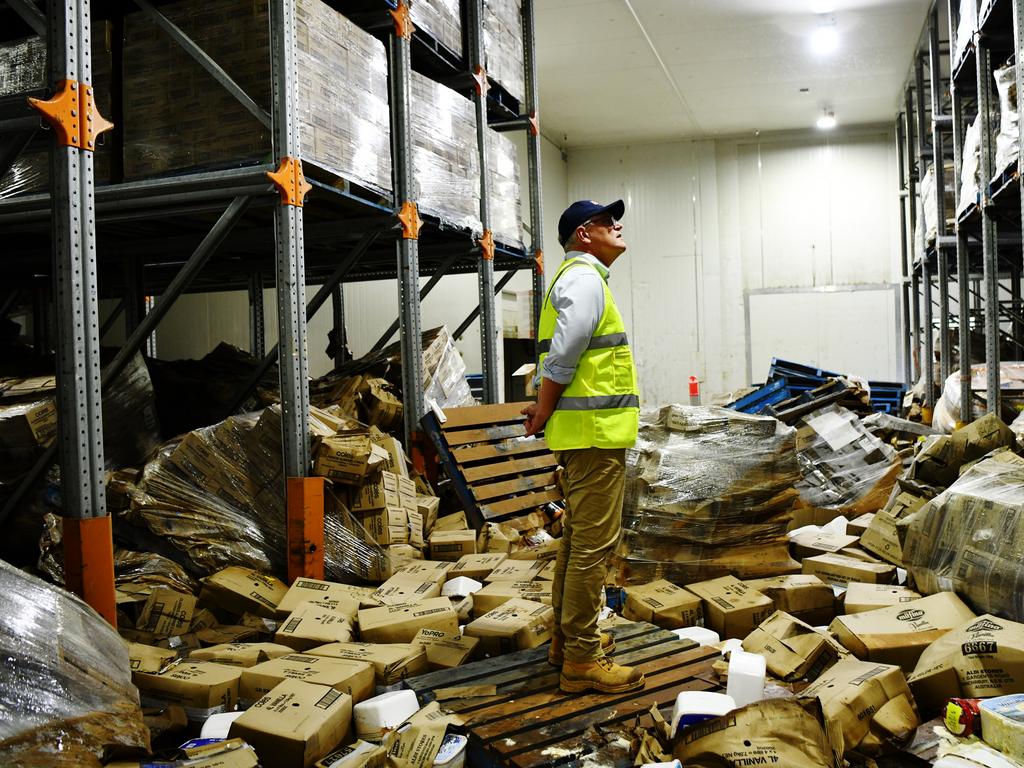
(530, 723)
(496, 475)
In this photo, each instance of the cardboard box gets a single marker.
(980, 659)
(792, 649)
(840, 570)
(361, 754)
(499, 539)
(881, 538)
(396, 557)
(451, 545)
(500, 592)
(870, 703)
(426, 570)
(731, 608)
(516, 625)
(859, 525)
(242, 590)
(415, 522)
(310, 625)
(453, 522)
(218, 634)
(869, 597)
(303, 590)
(548, 572)
(899, 634)
(444, 650)
(807, 598)
(406, 588)
(385, 490)
(664, 604)
(352, 677)
(516, 570)
(295, 724)
(386, 526)
(349, 457)
(478, 566)
(428, 507)
(241, 654)
(397, 461)
(202, 688)
(391, 662)
(400, 623)
(230, 753)
(166, 612)
(818, 543)
(149, 658)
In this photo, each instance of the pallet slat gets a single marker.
(476, 415)
(516, 466)
(484, 435)
(515, 485)
(518, 503)
(499, 450)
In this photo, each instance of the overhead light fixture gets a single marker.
(825, 38)
(827, 121)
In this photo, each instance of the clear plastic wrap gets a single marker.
(503, 45)
(947, 409)
(970, 538)
(845, 469)
(897, 432)
(503, 171)
(445, 162)
(928, 199)
(1009, 117)
(22, 65)
(965, 29)
(66, 692)
(970, 176)
(442, 20)
(177, 117)
(709, 492)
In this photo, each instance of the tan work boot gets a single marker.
(556, 652)
(601, 674)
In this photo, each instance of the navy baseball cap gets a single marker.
(584, 210)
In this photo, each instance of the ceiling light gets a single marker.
(827, 121)
(825, 38)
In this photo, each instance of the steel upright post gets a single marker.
(1018, 45)
(990, 255)
(407, 248)
(905, 277)
(912, 177)
(288, 235)
(533, 151)
(485, 267)
(941, 249)
(88, 544)
(927, 363)
(340, 340)
(257, 323)
(963, 269)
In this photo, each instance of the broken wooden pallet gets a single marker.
(528, 722)
(496, 472)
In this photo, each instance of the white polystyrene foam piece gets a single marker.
(217, 726)
(747, 673)
(389, 710)
(732, 644)
(693, 707)
(836, 527)
(804, 529)
(461, 586)
(699, 635)
(452, 753)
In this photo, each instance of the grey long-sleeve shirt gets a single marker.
(578, 295)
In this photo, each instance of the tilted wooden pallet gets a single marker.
(530, 723)
(497, 473)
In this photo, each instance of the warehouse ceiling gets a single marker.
(614, 71)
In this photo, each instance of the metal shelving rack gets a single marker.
(339, 233)
(977, 265)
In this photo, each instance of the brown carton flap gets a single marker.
(792, 649)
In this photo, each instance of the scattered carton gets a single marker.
(792, 649)
(427, 570)
(498, 593)
(664, 604)
(241, 654)
(400, 623)
(453, 522)
(840, 570)
(814, 543)
(478, 566)
(451, 544)
(349, 457)
(859, 525)
(807, 598)
(428, 506)
(982, 658)
(387, 525)
(148, 658)
(391, 662)
(731, 608)
(899, 634)
(201, 688)
(516, 570)
(869, 703)
(444, 650)
(406, 588)
(166, 612)
(385, 490)
(303, 590)
(862, 597)
(881, 537)
(352, 677)
(516, 625)
(310, 625)
(242, 590)
(295, 724)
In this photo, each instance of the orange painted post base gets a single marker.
(424, 457)
(305, 528)
(89, 563)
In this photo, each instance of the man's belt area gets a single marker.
(596, 342)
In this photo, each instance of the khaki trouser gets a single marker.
(593, 481)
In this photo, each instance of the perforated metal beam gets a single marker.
(533, 154)
(962, 261)
(989, 247)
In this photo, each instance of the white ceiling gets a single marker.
(612, 71)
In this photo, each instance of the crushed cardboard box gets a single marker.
(515, 625)
(391, 662)
(663, 604)
(731, 607)
(806, 597)
(312, 624)
(201, 688)
(444, 650)
(241, 654)
(792, 649)
(240, 590)
(862, 597)
(840, 570)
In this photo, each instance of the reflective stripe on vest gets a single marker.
(599, 408)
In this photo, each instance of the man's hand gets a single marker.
(535, 418)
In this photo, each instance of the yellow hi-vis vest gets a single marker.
(601, 406)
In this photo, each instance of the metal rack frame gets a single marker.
(341, 233)
(981, 251)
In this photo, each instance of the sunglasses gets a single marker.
(601, 221)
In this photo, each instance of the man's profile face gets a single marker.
(604, 235)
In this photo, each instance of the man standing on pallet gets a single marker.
(588, 405)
